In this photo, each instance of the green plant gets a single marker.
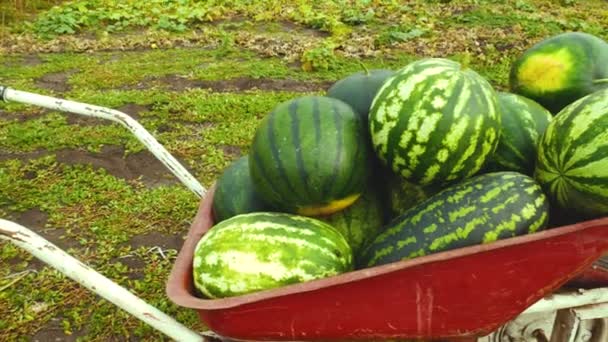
(397, 34)
(319, 58)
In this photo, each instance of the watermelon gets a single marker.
(479, 210)
(561, 69)
(435, 122)
(523, 122)
(310, 156)
(234, 193)
(403, 195)
(572, 164)
(359, 89)
(258, 251)
(362, 221)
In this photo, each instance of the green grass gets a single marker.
(116, 53)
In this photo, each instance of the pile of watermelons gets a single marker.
(395, 165)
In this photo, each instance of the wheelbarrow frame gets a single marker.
(572, 307)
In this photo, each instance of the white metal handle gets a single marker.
(132, 125)
(89, 278)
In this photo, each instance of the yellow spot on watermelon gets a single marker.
(545, 72)
(330, 208)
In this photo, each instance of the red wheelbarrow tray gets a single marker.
(463, 293)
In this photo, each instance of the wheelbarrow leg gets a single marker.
(89, 278)
(587, 323)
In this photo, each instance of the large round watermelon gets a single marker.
(561, 69)
(572, 163)
(435, 122)
(310, 156)
(234, 193)
(259, 251)
(523, 122)
(359, 89)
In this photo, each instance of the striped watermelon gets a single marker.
(561, 69)
(234, 193)
(479, 210)
(259, 251)
(310, 156)
(435, 122)
(572, 163)
(362, 221)
(523, 122)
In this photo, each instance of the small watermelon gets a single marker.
(235, 193)
(310, 156)
(435, 122)
(561, 69)
(359, 89)
(572, 164)
(479, 210)
(259, 251)
(362, 221)
(523, 122)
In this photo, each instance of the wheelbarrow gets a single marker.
(487, 292)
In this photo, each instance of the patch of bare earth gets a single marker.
(33, 113)
(153, 242)
(53, 332)
(57, 81)
(141, 165)
(31, 60)
(36, 220)
(231, 151)
(178, 83)
(157, 239)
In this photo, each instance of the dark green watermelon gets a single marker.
(234, 193)
(310, 156)
(561, 69)
(479, 210)
(523, 123)
(359, 89)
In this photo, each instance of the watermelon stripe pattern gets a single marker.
(309, 156)
(360, 222)
(479, 210)
(258, 251)
(523, 123)
(434, 122)
(572, 163)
